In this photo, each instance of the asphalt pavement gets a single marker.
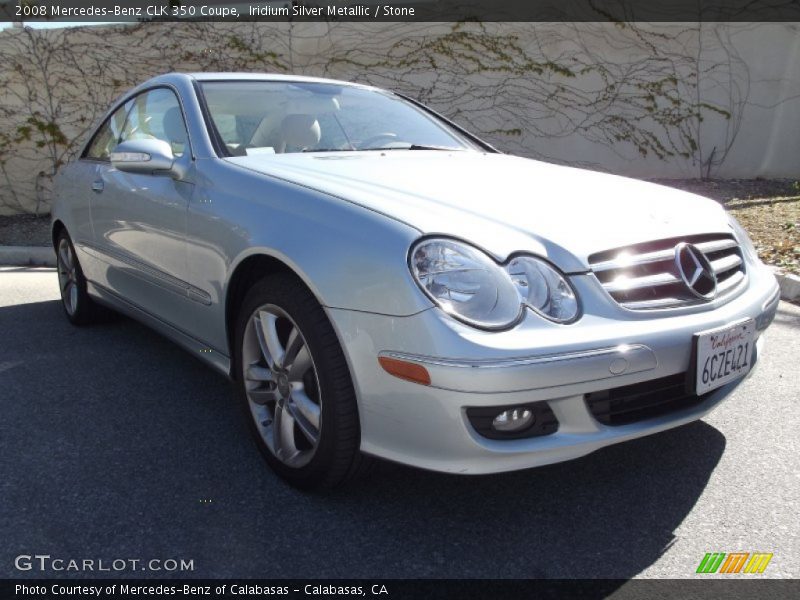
(117, 444)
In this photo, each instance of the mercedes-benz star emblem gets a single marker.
(696, 271)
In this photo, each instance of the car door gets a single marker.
(76, 182)
(139, 220)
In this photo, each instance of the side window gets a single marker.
(107, 137)
(157, 115)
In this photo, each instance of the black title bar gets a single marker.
(698, 588)
(401, 10)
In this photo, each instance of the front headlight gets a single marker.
(543, 288)
(465, 283)
(469, 285)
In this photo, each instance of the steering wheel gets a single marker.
(372, 142)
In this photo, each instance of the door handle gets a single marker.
(98, 186)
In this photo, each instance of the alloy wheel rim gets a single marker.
(67, 276)
(282, 386)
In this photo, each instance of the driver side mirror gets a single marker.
(148, 157)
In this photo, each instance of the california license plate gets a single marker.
(724, 355)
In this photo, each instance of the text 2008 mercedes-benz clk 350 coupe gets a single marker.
(380, 282)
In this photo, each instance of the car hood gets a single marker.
(502, 203)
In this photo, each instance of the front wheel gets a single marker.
(295, 386)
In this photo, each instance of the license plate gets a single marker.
(724, 355)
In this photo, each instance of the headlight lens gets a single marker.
(469, 285)
(465, 283)
(543, 288)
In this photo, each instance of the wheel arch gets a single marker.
(249, 270)
(56, 229)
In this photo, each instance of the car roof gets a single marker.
(201, 77)
(176, 77)
(261, 77)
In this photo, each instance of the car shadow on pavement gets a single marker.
(116, 443)
(608, 515)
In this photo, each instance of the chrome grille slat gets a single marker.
(725, 263)
(730, 283)
(656, 304)
(624, 260)
(622, 284)
(716, 245)
(647, 276)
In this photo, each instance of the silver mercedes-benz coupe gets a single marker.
(381, 283)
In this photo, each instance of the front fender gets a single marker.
(350, 257)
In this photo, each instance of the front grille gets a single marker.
(646, 276)
(641, 401)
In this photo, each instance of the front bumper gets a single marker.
(427, 426)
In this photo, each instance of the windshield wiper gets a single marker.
(382, 148)
(427, 147)
(414, 147)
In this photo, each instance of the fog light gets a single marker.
(514, 419)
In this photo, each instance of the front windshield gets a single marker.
(276, 117)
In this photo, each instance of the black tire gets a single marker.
(80, 308)
(336, 457)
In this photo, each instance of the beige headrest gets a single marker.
(301, 130)
(173, 126)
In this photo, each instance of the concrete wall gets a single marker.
(648, 100)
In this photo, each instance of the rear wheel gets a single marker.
(78, 306)
(295, 386)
